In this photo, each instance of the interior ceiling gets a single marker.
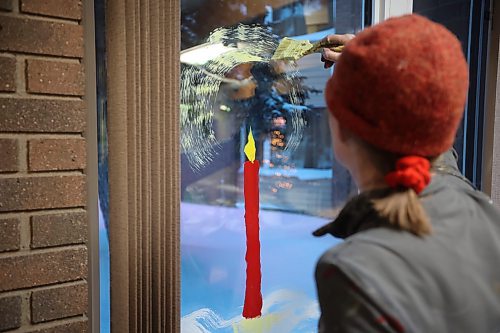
(192, 5)
(254, 8)
(199, 17)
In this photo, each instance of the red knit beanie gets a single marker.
(401, 86)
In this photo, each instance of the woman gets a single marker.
(422, 247)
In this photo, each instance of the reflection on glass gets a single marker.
(102, 138)
(456, 16)
(301, 185)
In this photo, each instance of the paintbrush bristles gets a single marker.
(290, 49)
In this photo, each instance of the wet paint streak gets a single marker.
(253, 297)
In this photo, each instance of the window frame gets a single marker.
(478, 53)
(91, 169)
(474, 116)
(478, 161)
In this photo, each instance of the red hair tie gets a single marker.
(411, 172)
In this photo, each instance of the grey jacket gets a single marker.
(384, 280)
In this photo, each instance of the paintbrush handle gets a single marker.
(318, 46)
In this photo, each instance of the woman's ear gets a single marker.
(339, 133)
(339, 141)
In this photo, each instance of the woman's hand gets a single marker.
(328, 56)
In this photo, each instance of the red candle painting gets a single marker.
(253, 298)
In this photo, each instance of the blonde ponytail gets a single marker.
(401, 206)
(403, 210)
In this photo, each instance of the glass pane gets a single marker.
(102, 138)
(455, 15)
(469, 21)
(301, 186)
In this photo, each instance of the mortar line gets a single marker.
(28, 95)
(50, 324)
(38, 17)
(40, 55)
(25, 233)
(41, 212)
(51, 59)
(22, 153)
(20, 75)
(25, 95)
(26, 308)
(16, 5)
(43, 174)
(20, 292)
(40, 135)
(58, 249)
(82, 206)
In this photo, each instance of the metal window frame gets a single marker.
(383, 9)
(491, 141)
(474, 117)
(91, 169)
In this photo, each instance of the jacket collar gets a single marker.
(358, 214)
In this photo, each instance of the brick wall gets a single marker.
(43, 221)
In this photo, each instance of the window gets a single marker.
(102, 135)
(469, 20)
(301, 184)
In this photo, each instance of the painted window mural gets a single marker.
(258, 173)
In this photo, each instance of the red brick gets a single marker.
(8, 155)
(38, 269)
(58, 229)
(71, 9)
(28, 193)
(10, 312)
(10, 236)
(7, 74)
(57, 154)
(53, 77)
(26, 35)
(41, 116)
(6, 5)
(75, 327)
(58, 303)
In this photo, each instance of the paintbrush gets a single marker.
(291, 49)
